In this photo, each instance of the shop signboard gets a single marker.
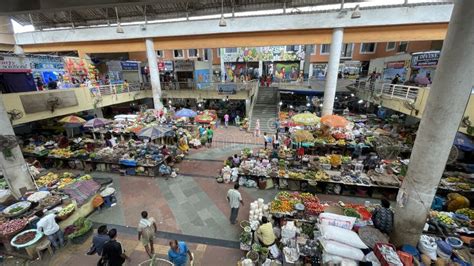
(184, 65)
(227, 88)
(42, 62)
(114, 66)
(14, 64)
(425, 59)
(165, 66)
(129, 66)
(396, 64)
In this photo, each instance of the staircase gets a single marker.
(265, 109)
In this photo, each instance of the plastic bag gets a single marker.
(288, 230)
(275, 251)
(427, 246)
(372, 258)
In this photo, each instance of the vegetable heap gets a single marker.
(12, 226)
(25, 238)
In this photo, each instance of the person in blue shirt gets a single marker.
(178, 253)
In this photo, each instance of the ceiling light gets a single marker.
(222, 22)
(320, 105)
(169, 101)
(356, 13)
(119, 29)
(335, 98)
(361, 101)
(199, 105)
(380, 106)
(281, 103)
(352, 94)
(308, 104)
(291, 106)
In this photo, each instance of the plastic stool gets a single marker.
(44, 244)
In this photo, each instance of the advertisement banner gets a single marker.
(227, 88)
(287, 70)
(14, 64)
(201, 76)
(425, 59)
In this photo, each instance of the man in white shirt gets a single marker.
(47, 224)
(235, 199)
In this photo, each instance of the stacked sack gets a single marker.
(341, 245)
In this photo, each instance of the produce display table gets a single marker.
(89, 165)
(320, 185)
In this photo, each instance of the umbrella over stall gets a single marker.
(153, 132)
(71, 122)
(334, 121)
(185, 113)
(96, 123)
(72, 119)
(307, 119)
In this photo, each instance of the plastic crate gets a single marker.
(130, 171)
(379, 255)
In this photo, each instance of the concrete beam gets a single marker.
(390, 16)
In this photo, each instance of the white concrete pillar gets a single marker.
(98, 112)
(6, 30)
(449, 95)
(260, 68)
(210, 60)
(14, 166)
(307, 60)
(154, 73)
(222, 64)
(310, 71)
(333, 69)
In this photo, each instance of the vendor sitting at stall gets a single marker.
(183, 144)
(265, 233)
(383, 217)
(63, 141)
(236, 161)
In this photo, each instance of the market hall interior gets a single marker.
(314, 139)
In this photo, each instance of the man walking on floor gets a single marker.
(235, 199)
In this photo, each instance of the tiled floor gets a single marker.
(191, 207)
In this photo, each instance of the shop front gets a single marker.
(15, 74)
(184, 71)
(423, 67)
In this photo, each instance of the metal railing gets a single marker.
(399, 91)
(210, 86)
(391, 91)
(113, 89)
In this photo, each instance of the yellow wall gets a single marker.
(424, 32)
(84, 98)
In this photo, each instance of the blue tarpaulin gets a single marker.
(464, 142)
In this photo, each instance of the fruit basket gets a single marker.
(66, 212)
(26, 238)
(17, 209)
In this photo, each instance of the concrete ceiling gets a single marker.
(44, 14)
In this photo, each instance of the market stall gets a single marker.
(69, 196)
(309, 231)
